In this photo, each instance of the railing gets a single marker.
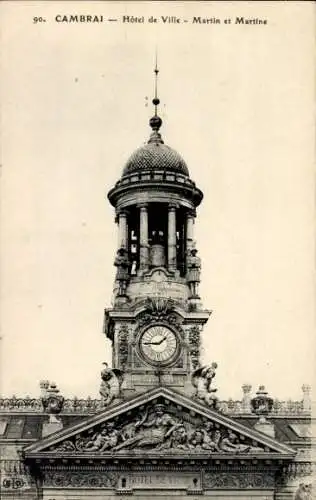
(91, 406)
(289, 407)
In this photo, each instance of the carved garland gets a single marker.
(79, 480)
(109, 479)
(238, 481)
(194, 346)
(123, 346)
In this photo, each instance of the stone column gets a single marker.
(172, 238)
(122, 230)
(143, 237)
(190, 229)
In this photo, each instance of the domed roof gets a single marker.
(155, 156)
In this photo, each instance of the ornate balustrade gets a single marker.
(289, 407)
(91, 406)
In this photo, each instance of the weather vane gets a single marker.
(156, 101)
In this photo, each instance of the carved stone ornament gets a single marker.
(111, 381)
(123, 346)
(159, 427)
(304, 492)
(202, 379)
(194, 346)
(80, 479)
(262, 404)
(159, 309)
(222, 480)
(89, 406)
(52, 401)
(296, 470)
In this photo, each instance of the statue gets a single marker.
(177, 438)
(193, 271)
(151, 432)
(202, 379)
(122, 264)
(112, 379)
(303, 492)
(104, 440)
(201, 439)
(211, 442)
(230, 444)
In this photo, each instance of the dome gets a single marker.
(156, 155)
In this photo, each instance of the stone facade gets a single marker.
(159, 428)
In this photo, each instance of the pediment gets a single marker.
(159, 422)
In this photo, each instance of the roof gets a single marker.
(22, 427)
(24, 419)
(155, 155)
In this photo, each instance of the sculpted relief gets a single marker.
(127, 481)
(162, 428)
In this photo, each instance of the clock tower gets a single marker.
(156, 317)
(160, 430)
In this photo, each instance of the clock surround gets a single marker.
(159, 344)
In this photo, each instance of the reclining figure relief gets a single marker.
(160, 428)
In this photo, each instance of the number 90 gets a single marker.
(38, 20)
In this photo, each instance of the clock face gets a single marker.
(159, 344)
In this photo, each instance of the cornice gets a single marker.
(155, 457)
(183, 190)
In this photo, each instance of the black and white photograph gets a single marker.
(157, 250)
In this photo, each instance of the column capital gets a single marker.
(172, 206)
(142, 205)
(191, 213)
(121, 212)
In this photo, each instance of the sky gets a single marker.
(237, 104)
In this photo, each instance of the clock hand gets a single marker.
(161, 341)
(155, 343)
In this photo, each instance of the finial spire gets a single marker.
(156, 101)
(155, 122)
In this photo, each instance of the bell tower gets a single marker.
(156, 317)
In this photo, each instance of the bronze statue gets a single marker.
(122, 264)
(193, 271)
